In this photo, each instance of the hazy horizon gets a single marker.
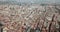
(35, 1)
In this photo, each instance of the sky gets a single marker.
(35, 1)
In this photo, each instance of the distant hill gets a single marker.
(8, 2)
